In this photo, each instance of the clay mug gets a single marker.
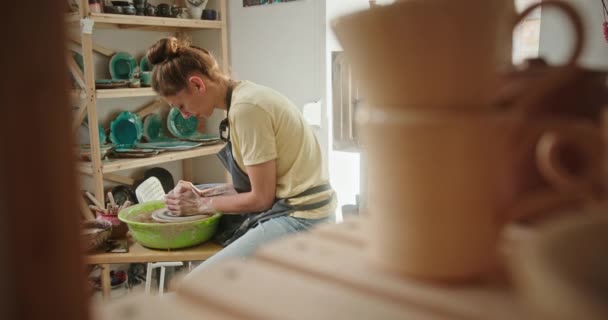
(196, 7)
(441, 185)
(570, 90)
(434, 53)
(163, 10)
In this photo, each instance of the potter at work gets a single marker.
(273, 157)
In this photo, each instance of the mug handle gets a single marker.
(554, 170)
(530, 101)
(568, 186)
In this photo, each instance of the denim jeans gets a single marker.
(261, 234)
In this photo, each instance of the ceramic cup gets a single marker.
(442, 185)
(209, 14)
(150, 10)
(146, 78)
(163, 10)
(434, 53)
(196, 8)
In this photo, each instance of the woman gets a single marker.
(272, 154)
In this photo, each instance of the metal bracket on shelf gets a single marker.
(86, 25)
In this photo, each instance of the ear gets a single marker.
(198, 84)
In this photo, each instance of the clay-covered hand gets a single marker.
(184, 200)
(221, 190)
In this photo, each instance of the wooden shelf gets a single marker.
(72, 17)
(138, 253)
(123, 164)
(124, 93)
(107, 20)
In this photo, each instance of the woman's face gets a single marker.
(195, 100)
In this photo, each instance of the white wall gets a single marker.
(556, 36)
(281, 46)
(344, 167)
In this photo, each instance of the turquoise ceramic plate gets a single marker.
(84, 137)
(154, 129)
(175, 145)
(126, 129)
(122, 65)
(144, 64)
(180, 127)
(203, 137)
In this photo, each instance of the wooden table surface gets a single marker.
(323, 274)
(138, 253)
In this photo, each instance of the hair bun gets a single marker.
(165, 49)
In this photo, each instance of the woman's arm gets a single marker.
(185, 200)
(260, 198)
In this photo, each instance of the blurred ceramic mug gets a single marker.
(441, 185)
(434, 53)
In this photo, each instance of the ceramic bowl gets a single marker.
(84, 136)
(126, 129)
(146, 78)
(153, 128)
(93, 233)
(120, 3)
(144, 64)
(179, 126)
(130, 10)
(123, 193)
(562, 272)
(85, 151)
(163, 175)
(166, 235)
(122, 65)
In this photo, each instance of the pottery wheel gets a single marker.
(164, 215)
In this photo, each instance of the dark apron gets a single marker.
(233, 226)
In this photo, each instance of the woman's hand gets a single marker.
(184, 200)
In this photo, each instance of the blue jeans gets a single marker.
(263, 233)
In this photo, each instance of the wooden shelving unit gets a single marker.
(124, 93)
(105, 20)
(87, 96)
(114, 165)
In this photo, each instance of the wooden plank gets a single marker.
(96, 47)
(84, 209)
(138, 253)
(188, 169)
(119, 179)
(336, 261)
(80, 114)
(150, 108)
(89, 76)
(72, 17)
(144, 307)
(224, 36)
(350, 232)
(76, 73)
(126, 20)
(256, 290)
(123, 164)
(106, 287)
(125, 93)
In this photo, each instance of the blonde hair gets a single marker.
(174, 60)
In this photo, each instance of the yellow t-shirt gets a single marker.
(265, 126)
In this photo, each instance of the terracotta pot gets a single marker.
(119, 228)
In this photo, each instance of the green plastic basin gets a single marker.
(167, 235)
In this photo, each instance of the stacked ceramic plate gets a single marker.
(186, 128)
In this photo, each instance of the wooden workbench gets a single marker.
(138, 253)
(320, 275)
